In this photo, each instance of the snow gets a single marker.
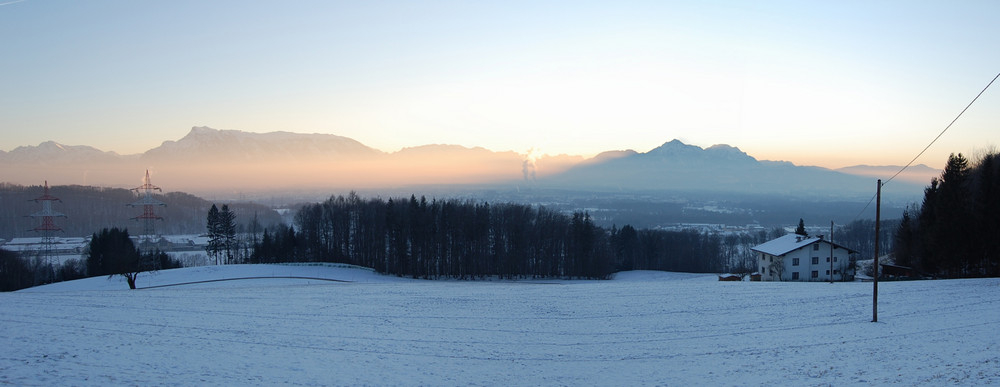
(788, 243)
(640, 328)
(227, 276)
(784, 244)
(76, 244)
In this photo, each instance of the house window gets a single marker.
(795, 262)
(827, 272)
(836, 272)
(795, 275)
(816, 247)
(828, 259)
(815, 260)
(835, 259)
(815, 274)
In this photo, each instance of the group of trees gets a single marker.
(230, 242)
(686, 251)
(19, 270)
(436, 239)
(467, 240)
(954, 232)
(221, 227)
(15, 272)
(860, 236)
(112, 252)
(278, 244)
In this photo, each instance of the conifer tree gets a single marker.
(905, 240)
(986, 209)
(214, 247)
(954, 234)
(801, 229)
(954, 217)
(227, 232)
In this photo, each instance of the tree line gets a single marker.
(441, 239)
(954, 233)
(19, 271)
(460, 239)
(685, 251)
(859, 235)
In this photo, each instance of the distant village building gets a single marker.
(796, 257)
(36, 245)
(191, 247)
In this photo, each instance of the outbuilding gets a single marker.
(890, 271)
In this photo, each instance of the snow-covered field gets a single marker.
(642, 328)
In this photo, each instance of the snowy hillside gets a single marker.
(641, 328)
(227, 276)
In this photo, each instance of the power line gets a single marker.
(929, 145)
(942, 132)
(878, 201)
(866, 206)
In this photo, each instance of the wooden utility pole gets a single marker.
(878, 214)
(831, 251)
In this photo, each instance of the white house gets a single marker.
(796, 257)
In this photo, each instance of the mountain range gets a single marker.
(219, 162)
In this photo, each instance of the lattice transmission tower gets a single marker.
(148, 217)
(48, 226)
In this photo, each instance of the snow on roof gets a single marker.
(35, 243)
(785, 244)
(187, 238)
(789, 243)
(40, 240)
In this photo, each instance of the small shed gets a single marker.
(895, 271)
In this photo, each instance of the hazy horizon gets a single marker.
(824, 84)
(213, 161)
(531, 154)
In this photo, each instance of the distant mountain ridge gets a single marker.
(51, 151)
(207, 144)
(219, 161)
(719, 168)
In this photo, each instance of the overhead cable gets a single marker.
(942, 132)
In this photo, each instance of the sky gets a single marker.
(827, 83)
